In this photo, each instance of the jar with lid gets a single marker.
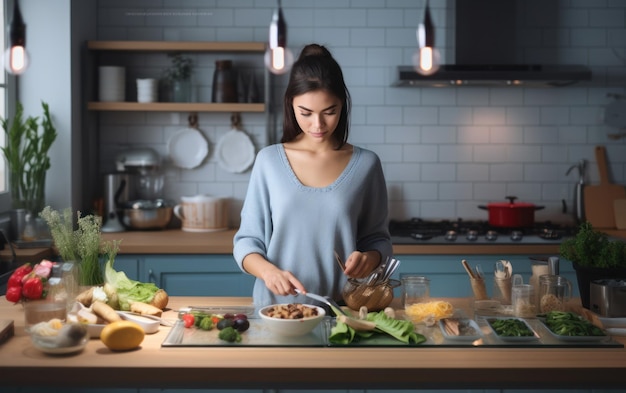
(224, 82)
(539, 267)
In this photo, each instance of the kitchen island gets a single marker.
(153, 366)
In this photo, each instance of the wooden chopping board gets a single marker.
(620, 213)
(599, 207)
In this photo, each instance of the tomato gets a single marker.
(33, 288)
(15, 280)
(215, 319)
(24, 269)
(14, 294)
(189, 320)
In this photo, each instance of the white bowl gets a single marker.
(291, 327)
(71, 338)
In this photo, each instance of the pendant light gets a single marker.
(278, 58)
(426, 59)
(16, 57)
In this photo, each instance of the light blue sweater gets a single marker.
(297, 227)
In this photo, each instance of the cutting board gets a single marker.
(599, 207)
(619, 206)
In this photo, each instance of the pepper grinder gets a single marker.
(224, 89)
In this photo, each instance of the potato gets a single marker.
(105, 312)
(160, 299)
(86, 297)
(145, 309)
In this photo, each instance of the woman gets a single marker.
(312, 194)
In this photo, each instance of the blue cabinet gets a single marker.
(196, 275)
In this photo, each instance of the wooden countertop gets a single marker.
(152, 366)
(174, 241)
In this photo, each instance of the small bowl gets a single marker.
(292, 327)
(67, 339)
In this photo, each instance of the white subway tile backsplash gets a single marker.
(540, 135)
(419, 153)
(455, 116)
(455, 191)
(444, 151)
(469, 172)
(522, 116)
(506, 172)
(438, 134)
(455, 153)
(438, 172)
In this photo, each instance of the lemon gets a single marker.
(122, 335)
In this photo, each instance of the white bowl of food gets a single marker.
(292, 319)
(58, 338)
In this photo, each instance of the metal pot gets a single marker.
(146, 214)
(511, 214)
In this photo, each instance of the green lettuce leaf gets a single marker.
(128, 291)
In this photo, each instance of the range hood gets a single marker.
(487, 50)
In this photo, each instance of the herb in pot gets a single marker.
(590, 248)
(26, 152)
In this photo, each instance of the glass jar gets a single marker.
(375, 297)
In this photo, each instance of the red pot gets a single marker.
(511, 214)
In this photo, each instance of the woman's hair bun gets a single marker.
(314, 50)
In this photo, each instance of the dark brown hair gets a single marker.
(316, 69)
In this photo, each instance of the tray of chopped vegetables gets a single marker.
(569, 326)
(512, 329)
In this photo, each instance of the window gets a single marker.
(7, 102)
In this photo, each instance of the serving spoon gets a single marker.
(324, 299)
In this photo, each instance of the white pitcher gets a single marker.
(202, 213)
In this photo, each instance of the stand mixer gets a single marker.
(136, 177)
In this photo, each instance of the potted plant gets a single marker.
(26, 153)
(178, 77)
(594, 256)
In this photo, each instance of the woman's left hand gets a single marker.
(361, 264)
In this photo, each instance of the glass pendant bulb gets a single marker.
(426, 60)
(278, 58)
(16, 58)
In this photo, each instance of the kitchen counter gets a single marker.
(175, 241)
(301, 367)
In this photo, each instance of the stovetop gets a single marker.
(419, 231)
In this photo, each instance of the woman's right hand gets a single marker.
(281, 282)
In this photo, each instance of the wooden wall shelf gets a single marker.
(175, 107)
(187, 46)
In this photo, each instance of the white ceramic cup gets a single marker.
(112, 83)
(147, 90)
(202, 213)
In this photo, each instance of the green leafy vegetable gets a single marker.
(590, 248)
(565, 323)
(511, 327)
(401, 330)
(128, 291)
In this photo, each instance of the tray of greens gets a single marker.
(512, 329)
(569, 326)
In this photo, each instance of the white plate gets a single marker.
(613, 322)
(464, 337)
(187, 148)
(616, 331)
(235, 151)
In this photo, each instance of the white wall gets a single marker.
(49, 79)
(445, 151)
